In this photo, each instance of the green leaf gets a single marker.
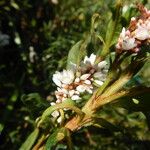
(138, 103)
(34, 102)
(95, 39)
(111, 28)
(94, 22)
(27, 145)
(75, 54)
(104, 123)
(101, 39)
(56, 137)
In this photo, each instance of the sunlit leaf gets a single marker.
(142, 103)
(75, 55)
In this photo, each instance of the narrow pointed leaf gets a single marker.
(27, 145)
(56, 137)
(104, 123)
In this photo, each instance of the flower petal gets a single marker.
(98, 82)
(55, 114)
(75, 97)
(87, 82)
(80, 88)
(56, 81)
(84, 76)
(102, 64)
(59, 119)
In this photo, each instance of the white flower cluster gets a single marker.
(73, 83)
(137, 33)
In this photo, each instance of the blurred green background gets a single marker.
(35, 37)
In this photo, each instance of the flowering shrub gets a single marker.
(90, 82)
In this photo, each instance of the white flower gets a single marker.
(62, 90)
(84, 88)
(90, 60)
(100, 83)
(133, 19)
(77, 79)
(103, 65)
(142, 33)
(100, 76)
(64, 77)
(85, 76)
(75, 97)
(88, 63)
(87, 82)
(67, 76)
(59, 119)
(128, 43)
(55, 114)
(71, 92)
(80, 88)
(123, 33)
(57, 77)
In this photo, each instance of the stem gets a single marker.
(74, 124)
(62, 116)
(118, 84)
(39, 143)
(87, 109)
(104, 100)
(128, 73)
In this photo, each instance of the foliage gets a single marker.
(34, 44)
